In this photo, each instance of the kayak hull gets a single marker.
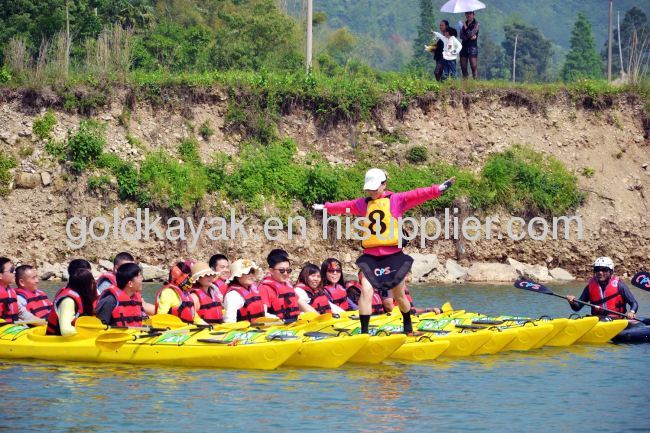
(634, 334)
(420, 350)
(575, 329)
(603, 332)
(327, 353)
(378, 349)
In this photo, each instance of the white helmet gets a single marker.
(604, 262)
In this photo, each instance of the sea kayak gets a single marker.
(639, 333)
(187, 349)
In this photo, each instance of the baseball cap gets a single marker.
(374, 178)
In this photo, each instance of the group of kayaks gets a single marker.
(318, 341)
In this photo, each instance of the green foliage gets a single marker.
(43, 126)
(188, 150)
(393, 137)
(58, 149)
(340, 45)
(6, 164)
(588, 172)
(98, 182)
(533, 51)
(26, 151)
(87, 144)
(171, 184)
(582, 61)
(417, 154)
(5, 74)
(423, 59)
(205, 130)
(528, 182)
(493, 59)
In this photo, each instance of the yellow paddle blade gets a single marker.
(308, 315)
(112, 340)
(446, 307)
(166, 321)
(89, 324)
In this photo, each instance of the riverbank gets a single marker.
(603, 143)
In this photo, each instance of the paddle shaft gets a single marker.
(589, 305)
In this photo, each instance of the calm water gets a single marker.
(582, 388)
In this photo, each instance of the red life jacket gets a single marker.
(338, 295)
(253, 305)
(107, 276)
(285, 306)
(221, 285)
(318, 300)
(128, 311)
(53, 327)
(210, 309)
(185, 310)
(8, 304)
(377, 303)
(610, 299)
(37, 302)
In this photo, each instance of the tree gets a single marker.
(635, 20)
(493, 60)
(533, 51)
(421, 58)
(582, 60)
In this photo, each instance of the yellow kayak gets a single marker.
(188, 349)
(603, 331)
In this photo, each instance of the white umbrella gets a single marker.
(458, 6)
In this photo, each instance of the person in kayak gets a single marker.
(334, 283)
(208, 301)
(383, 262)
(72, 301)
(33, 304)
(221, 265)
(9, 310)
(107, 279)
(606, 290)
(276, 289)
(243, 300)
(121, 304)
(309, 289)
(174, 297)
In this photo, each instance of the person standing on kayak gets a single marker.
(607, 291)
(383, 262)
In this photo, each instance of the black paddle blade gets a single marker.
(532, 286)
(642, 280)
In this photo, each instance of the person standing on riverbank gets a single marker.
(469, 39)
(383, 263)
(606, 290)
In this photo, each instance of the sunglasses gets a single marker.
(284, 271)
(334, 271)
(10, 270)
(600, 269)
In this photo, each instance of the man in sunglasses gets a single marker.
(606, 290)
(9, 310)
(276, 290)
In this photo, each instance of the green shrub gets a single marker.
(531, 183)
(205, 130)
(588, 172)
(58, 149)
(26, 151)
(417, 154)
(170, 184)
(5, 74)
(43, 126)
(87, 144)
(188, 151)
(128, 183)
(98, 182)
(6, 164)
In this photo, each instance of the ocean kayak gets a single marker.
(603, 332)
(187, 349)
(638, 333)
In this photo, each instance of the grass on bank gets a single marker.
(519, 179)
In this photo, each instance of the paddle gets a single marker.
(540, 288)
(113, 340)
(3, 322)
(642, 280)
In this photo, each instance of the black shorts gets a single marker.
(471, 51)
(385, 272)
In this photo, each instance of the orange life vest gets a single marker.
(128, 311)
(210, 308)
(53, 327)
(185, 310)
(37, 302)
(610, 298)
